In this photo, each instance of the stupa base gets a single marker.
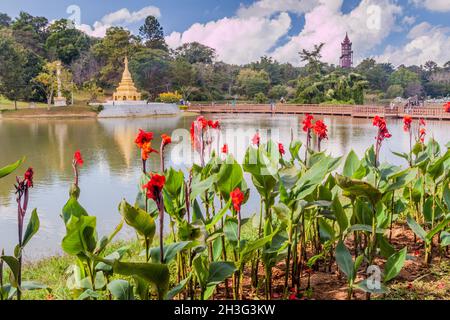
(123, 109)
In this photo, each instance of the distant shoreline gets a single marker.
(54, 112)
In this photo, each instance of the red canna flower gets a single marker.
(202, 122)
(383, 133)
(407, 120)
(143, 137)
(320, 129)
(166, 139)
(447, 107)
(214, 124)
(28, 177)
(293, 296)
(307, 122)
(146, 150)
(198, 128)
(237, 197)
(256, 139)
(192, 132)
(422, 131)
(77, 159)
(281, 149)
(225, 148)
(422, 134)
(154, 186)
(422, 122)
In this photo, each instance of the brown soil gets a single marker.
(326, 285)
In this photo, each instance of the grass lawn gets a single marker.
(80, 99)
(6, 104)
(72, 111)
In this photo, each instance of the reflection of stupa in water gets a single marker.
(126, 89)
(124, 137)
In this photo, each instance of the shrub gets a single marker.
(260, 98)
(170, 97)
(278, 91)
(97, 108)
(394, 91)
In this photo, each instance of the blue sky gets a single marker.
(398, 31)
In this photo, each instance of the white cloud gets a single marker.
(409, 20)
(98, 30)
(121, 17)
(426, 42)
(236, 40)
(266, 8)
(433, 5)
(125, 16)
(367, 25)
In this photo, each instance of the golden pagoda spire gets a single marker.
(126, 91)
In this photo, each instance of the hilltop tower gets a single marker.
(347, 53)
(126, 91)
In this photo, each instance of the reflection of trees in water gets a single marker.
(49, 145)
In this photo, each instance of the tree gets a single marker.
(85, 68)
(251, 82)
(215, 80)
(312, 58)
(338, 86)
(437, 89)
(92, 89)
(195, 52)
(394, 91)
(278, 91)
(110, 52)
(12, 73)
(447, 65)
(183, 77)
(430, 66)
(414, 89)
(403, 77)
(151, 70)
(376, 73)
(153, 34)
(260, 98)
(47, 80)
(65, 43)
(31, 32)
(269, 65)
(5, 20)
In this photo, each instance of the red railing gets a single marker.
(362, 111)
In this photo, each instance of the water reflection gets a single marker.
(112, 164)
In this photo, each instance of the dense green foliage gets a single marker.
(193, 69)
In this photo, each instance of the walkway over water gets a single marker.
(357, 111)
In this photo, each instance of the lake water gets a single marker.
(112, 165)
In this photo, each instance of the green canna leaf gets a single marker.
(394, 265)
(138, 219)
(10, 168)
(121, 289)
(345, 261)
(32, 228)
(153, 273)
